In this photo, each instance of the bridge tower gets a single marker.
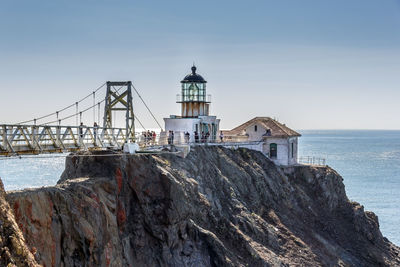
(120, 99)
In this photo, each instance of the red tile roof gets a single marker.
(277, 129)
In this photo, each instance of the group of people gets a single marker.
(203, 138)
(149, 137)
(197, 138)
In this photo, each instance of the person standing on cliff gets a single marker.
(149, 137)
(95, 128)
(187, 137)
(81, 132)
(169, 137)
(154, 137)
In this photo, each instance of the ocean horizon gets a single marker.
(368, 161)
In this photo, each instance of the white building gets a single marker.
(274, 139)
(195, 109)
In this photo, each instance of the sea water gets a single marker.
(31, 171)
(369, 162)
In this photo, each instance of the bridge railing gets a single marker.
(36, 139)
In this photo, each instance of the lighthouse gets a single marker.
(195, 110)
(194, 100)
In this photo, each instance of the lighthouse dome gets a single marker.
(193, 77)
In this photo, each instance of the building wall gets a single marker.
(284, 144)
(282, 150)
(255, 135)
(257, 146)
(294, 140)
(182, 125)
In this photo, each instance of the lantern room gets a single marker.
(194, 100)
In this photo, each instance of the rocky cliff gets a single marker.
(216, 207)
(13, 249)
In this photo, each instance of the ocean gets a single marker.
(368, 160)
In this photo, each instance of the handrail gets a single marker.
(311, 160)
(193, 98)
(36, 139)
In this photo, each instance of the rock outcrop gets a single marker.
(216, 207)
(13, 249)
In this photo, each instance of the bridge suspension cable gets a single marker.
(147, 107)
(79, 113)
(63, 109)
(136, 118)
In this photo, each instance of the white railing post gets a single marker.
(4, 137)
(58, 140)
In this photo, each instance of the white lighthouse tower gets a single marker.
(195, 109)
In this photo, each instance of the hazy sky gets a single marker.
(311, 64)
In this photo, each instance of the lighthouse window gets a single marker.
(201, 94)
(185, 92)
(193, 92)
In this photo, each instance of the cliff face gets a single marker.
(216, 207)
(13, 249)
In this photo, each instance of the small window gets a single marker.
(255, 128)
(292, 150)
(273, 150)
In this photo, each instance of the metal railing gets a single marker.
(179, 138)
(315, 161)
(36, 139)
(160, 141)
(193, 98)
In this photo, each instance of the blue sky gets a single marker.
(311, 64)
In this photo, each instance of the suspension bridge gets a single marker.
(57, 132)
(52, 133)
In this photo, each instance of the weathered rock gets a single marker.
(216, 207)
(13, 249)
